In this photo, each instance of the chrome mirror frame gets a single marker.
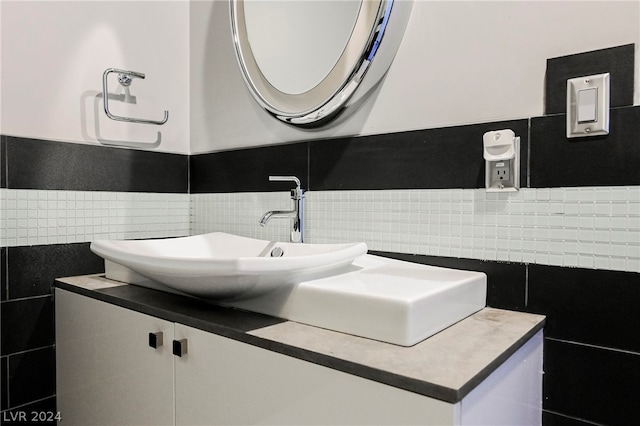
(324, 101)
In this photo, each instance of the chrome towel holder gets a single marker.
(126, 78)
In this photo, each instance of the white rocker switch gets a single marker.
(588, 105)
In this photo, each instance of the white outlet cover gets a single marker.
(596, 111)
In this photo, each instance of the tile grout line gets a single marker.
(589, 345)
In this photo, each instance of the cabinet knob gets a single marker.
(156, 339)
(180, 347)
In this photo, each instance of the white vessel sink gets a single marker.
(220, 265)
(333, 286)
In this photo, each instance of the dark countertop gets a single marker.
(446, 366)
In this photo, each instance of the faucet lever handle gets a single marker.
(285, 179)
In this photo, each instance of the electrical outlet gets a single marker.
(501, 170)
(501, 152)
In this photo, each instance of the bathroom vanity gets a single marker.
(218, 365)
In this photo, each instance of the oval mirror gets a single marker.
(303, 60)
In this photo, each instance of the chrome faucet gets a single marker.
(295, 214)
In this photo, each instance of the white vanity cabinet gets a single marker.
(107, 374)
(225, 382)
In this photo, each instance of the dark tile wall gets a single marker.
(407, 160)
(431, 159)
(593, 307)
(592, 383)
(28, 318)
(34, 317)
(41, 164)
(27, 273)
(3, 163)
(449, 157)
(248, 169)
(607, 160)
(35, 371)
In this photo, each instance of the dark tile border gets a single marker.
(32, 376)
(435, 158)
(432, 159)
(28, 318)
(423, 159)
(32, 270)
(4, 265)
(618, 61)
(248, 170)
(591, 383)
(27, 324)
(3, 163)
(43, 164)
(449, 157)
(4, 382)
(596, 307)
(611, 160)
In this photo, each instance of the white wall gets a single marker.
(53, 57)
(460, 62)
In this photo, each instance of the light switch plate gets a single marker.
(588, 106)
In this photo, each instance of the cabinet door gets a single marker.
(107, 373)
(220, 381)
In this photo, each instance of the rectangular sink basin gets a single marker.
(379, 298)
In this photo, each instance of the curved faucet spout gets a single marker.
(276, 213)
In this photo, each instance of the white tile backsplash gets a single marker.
(34, 217)
(239, 213)
(592, 227)
(581, 227)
